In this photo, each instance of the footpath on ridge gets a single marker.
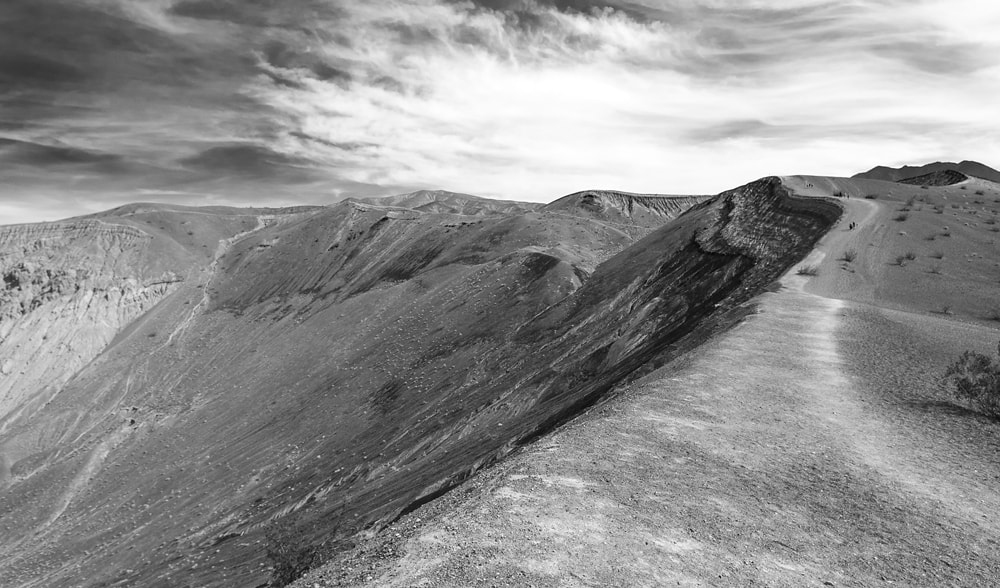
(781, 453)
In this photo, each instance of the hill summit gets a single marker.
(894, 174)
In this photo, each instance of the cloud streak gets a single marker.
(313, 100)
(528, 100)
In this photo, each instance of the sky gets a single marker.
(278, 102)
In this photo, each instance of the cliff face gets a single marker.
(336, 368)
(67, 289)
(946, 177)
(648, 210)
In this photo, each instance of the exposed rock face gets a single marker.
(649, 210)
(341, 366)
(969, 168)
(32, 237)
(67, 289)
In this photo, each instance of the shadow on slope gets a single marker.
(650, 210)
(69, 287)
(889, 174)
(362, 360)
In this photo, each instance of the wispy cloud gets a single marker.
(317, 99)
(528, 100)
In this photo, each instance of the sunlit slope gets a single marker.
(69, 287)
(812, 444)
(342, 365)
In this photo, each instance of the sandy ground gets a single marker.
(809, 446)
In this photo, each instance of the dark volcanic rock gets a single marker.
(651, 210)
(344, 365)
(442, 201)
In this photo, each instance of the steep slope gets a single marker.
(58, 312)
(648, 210)
(341, 366)
(811, 445)
(946, 177)
(890, 174)
(53, 457)
(70, 287)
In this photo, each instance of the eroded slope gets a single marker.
(70, 287)
(648, 210)
(342, 366)
(889, 174)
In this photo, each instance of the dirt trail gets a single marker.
(776, 455)
(209, 274)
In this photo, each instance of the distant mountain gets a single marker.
(891, 174)
(650, 210)
(948, 177)
(442, 201)
(184, 390)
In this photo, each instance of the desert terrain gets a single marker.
(437, 389)
(811, 445)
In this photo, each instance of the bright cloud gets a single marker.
(532, 105)
(526, 99)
